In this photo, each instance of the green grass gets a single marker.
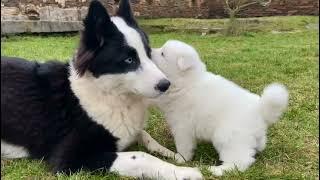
(252, 60)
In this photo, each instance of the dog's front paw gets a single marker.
(178, 158)
(186, 173)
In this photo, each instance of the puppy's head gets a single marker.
(114, 53)
(176, 59)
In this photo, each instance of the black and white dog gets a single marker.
(81, 114)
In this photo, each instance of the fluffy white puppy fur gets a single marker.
(200, 105)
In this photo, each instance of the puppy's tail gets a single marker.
(274, 101)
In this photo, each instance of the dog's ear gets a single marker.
(97, 25)
(125, 12)
(184, 64)
(98, 28)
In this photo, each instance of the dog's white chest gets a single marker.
(126, 125)
(123, 118)
(123, 115)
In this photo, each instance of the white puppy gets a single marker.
(201, 105)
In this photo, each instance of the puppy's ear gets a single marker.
(98, 28)
(125, 12)
(184, 64)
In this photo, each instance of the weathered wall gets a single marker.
(171, 8)
(215, 8)
(285, 7)
(18, 16)
(51, 10)
(66, 15)
(276, 8)
(156, 8)
(145, 8)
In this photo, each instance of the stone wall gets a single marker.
(276, 8)
(144, 8)
(46, 10)
(215, 8)
(152, 8)
(171, 8)
(66, 15)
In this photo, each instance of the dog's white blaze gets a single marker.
(11, 151)
(144, 80)
(134, 40)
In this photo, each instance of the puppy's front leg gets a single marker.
(185, 143)
(153, 146)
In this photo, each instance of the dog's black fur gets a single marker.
(40, 112)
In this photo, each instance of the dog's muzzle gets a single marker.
(163, 85)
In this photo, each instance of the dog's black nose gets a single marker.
(163, 85)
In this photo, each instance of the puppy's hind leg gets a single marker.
(261, 143)
(236, 152)
(240, 159)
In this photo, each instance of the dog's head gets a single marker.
(177, 59)
(114, 53)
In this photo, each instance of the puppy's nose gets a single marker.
(163, 85)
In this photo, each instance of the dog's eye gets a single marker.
(162, 54)
(128, 60)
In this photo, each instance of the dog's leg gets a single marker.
(261, 143)
(10, 151)
(153, 146)
(133, 164)
(140, 165)
(73, 154)
(185, 144)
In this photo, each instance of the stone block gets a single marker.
(14, 27)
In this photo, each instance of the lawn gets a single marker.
(253, 60)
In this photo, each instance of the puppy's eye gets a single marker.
(129, 60)
(162, 54)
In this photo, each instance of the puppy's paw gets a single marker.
(186, 173)
(178, 158)
(222, 169)
(216, 170)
